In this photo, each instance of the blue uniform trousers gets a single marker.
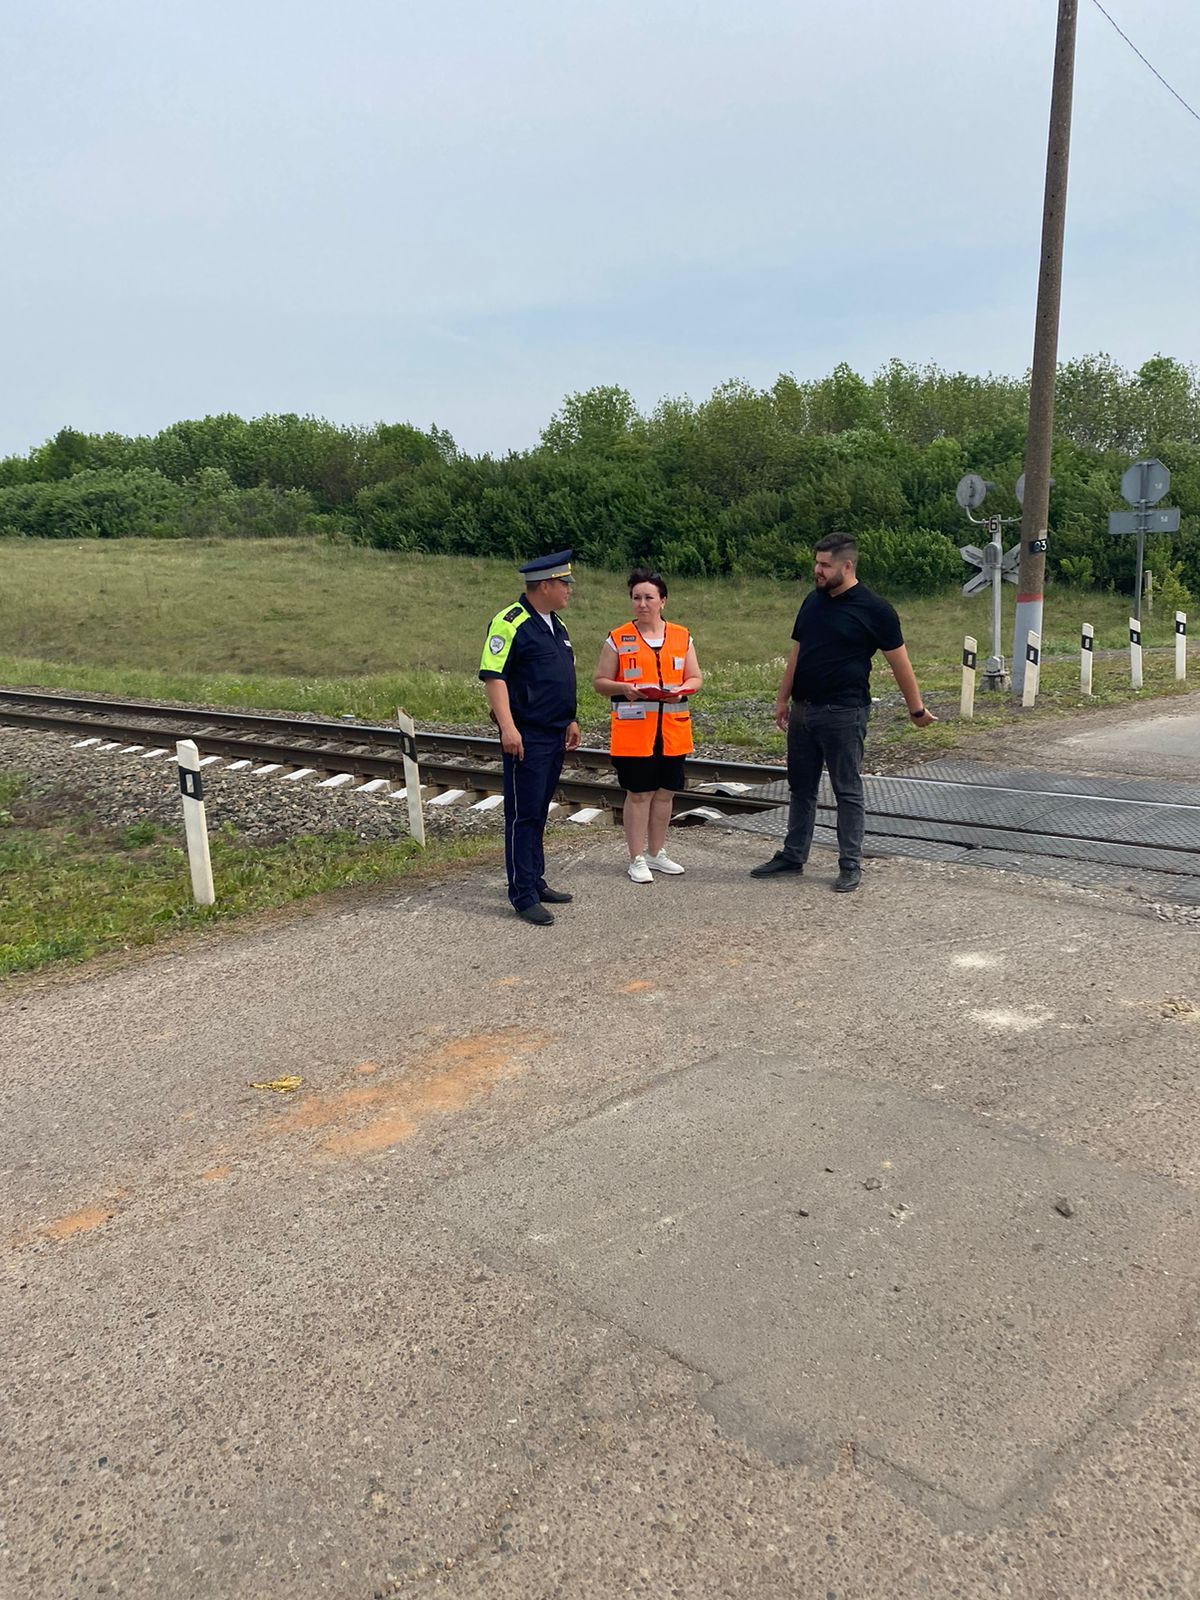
(529, 787)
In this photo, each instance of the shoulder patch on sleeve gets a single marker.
(499, 641)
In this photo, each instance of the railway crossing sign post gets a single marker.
(1142, 487)
(996, 566)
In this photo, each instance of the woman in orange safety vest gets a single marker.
(647, 668)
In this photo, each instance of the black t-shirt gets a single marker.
(838, 634)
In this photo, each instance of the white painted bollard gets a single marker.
(1181, 645)
(1033, 667)
(1087, 644)
(191, 786)
(412, 776)
(1135, 652)
(969, 657)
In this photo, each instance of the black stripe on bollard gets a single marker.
(1032, 654)
(191, 784)
(408, 745)
(969, 659)
(1086, 641)
(1135, 636)
(1180, 627)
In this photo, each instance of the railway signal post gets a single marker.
(996, 565)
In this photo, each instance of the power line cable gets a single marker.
(1142, 58)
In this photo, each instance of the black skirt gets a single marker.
(643, 774)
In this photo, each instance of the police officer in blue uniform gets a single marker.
(528, 673)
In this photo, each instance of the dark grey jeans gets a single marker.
(830, 737)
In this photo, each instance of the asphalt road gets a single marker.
(728, 1238)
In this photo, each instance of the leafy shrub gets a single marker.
(1077, 571)
(917, 562)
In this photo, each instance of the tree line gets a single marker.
(743, 482)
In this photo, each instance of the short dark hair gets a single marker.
(842, 545)
(648, 575)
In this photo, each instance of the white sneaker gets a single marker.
(663, 863)
(639, 871)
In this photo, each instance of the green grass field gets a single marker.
(312, 626)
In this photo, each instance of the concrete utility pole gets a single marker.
(1031, 577)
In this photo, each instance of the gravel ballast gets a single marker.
(119, 791)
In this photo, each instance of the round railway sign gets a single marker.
(971, 491)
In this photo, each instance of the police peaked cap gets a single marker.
(555, 566)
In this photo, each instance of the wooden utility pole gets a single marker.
(1031, 579)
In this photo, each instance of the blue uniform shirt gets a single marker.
(537, 664)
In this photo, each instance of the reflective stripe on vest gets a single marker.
(634, 724)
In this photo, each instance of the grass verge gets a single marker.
(73, 890)
(302, 625)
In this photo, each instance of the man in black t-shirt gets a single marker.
(827, 681)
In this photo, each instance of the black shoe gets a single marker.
(537, 914)
(848, 878)
(555, 897)
(778, 863)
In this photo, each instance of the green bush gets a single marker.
(918, 562)
(1077, 571)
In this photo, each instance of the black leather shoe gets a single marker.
(536, 914)
(555, 897)
(778, 863)
(848, 878)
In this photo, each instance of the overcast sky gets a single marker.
(456, 213)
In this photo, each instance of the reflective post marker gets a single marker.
(1087, 643)
(1135, 652)
(1033, 662)
(412, 776)
(1181, 645)
(191, 787)
(969, 657)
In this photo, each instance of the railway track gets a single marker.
(1138, 834)
(461, 763)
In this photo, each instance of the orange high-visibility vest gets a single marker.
(633, 727)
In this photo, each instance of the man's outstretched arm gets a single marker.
(906, 682)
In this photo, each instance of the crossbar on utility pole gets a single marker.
(1031, 578)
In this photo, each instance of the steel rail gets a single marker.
(365, 764)
(701, 769)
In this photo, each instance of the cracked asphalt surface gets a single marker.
(420, 1326)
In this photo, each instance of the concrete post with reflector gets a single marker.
(970, 656)
(195, 824)
(1181, 645)
(1135, 652)
(1087, 645)
(1033, 667)
(412, 776)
